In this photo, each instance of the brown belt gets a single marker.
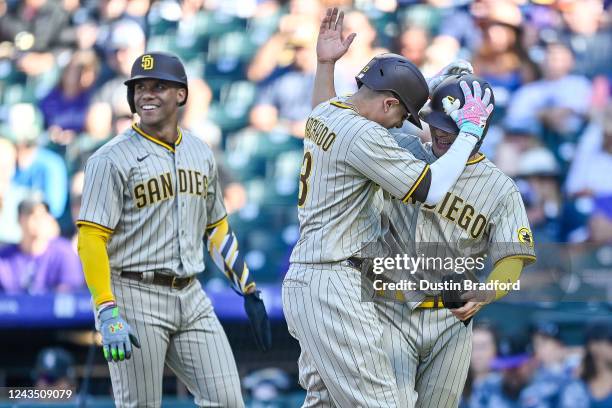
(173, 282)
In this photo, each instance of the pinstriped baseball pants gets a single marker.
(178, 328)
(342, 362)
(430, 353)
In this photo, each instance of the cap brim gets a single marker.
(439, 120)
(414, 119)
(159, 76)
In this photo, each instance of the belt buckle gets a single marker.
(174, 285)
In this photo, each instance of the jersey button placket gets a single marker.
(180, 204)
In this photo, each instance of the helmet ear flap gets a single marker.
(130, 98)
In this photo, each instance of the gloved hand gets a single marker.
(117, 336)
(471, 118)
(458, 67)
(452, 298)
(260, 324)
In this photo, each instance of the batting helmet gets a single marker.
(434, 113)
(156, 65)
(394, 73)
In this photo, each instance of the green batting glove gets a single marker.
(117, 336)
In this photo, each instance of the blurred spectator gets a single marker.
(127, 42)
(457, 28)
(137, 10)
(195, 114)
(42, 261)
(516, 139)
(520, 383)
(111, 14)
(554, 358)
(484, 351)
(362, 50)
(538, 174)
(10, 194)
(38, 169)
(54, 370)
(98, 129)
(587, 35)
(594, 390)
(413, 43)
(505, 389)
(34, 25)
(285, 101)
(65, 107)
(559, 101)
(600, 222)
(271, 58)
(501, 59)
(592, 160)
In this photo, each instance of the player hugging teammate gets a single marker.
(369, 186)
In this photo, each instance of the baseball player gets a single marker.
(151, 195)
(482, 215)
(350, 158)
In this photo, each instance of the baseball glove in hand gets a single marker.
(256, 310)
(451, 298)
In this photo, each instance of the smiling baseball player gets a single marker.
(481, 215)
(350, 158)
(151, 195)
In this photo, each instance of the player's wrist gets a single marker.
(250, 288)
(107, 309)
(468, 137)
(472, 129)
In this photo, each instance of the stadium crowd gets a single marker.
(251, 67)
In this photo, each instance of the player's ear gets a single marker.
(181, 95)
(389, 102)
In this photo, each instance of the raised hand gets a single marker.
(472, 117)
(330, 45)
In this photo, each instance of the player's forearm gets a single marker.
(223, 249)
(324, 88)
(96, 266)
(446, 170)
(508, 270)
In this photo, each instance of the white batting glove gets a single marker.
(457, 67)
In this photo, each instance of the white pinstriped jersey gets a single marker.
(348, 162)
(483, 213)
(156, 199)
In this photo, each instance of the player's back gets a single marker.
(339, 208)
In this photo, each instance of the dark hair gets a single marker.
(489, 326)
(598, 330)
(588, 366)
(485, 325)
